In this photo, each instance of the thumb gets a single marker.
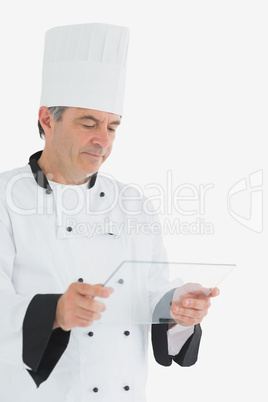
(214, 292)
(100, 285)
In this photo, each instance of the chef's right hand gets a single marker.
(77, 307)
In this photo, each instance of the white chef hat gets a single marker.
(85, 66)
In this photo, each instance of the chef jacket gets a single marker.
(52, 235)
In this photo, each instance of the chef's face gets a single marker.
(83, 138)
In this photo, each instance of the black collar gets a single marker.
(40, 177)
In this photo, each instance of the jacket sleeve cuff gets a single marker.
(42, 346)
(188, 354)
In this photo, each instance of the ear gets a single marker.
(46, 119)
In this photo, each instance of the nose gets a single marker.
(102, 137)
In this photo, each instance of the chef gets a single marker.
(64, 229)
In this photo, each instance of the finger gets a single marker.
(82, 314)
(214, 292)
(87, 290)
(199, 294)
(185, 321)
(189, 313)
(197, 304)
(110, 290)
(92, 305)
(84, 323)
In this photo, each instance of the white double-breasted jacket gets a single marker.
(51, 236)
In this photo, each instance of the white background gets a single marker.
(196, 106)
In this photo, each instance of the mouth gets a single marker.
(94, 156)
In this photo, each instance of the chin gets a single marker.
(91, 168)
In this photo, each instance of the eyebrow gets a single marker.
(89, 117)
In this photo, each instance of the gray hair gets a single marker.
(57, 112)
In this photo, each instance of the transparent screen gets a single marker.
(145, 291)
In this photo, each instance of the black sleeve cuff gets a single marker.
(188, 354)
(42, 347)
(160, 344)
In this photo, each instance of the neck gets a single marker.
(55, 171)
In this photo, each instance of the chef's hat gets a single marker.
(85, 66)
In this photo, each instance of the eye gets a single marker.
(85, 126)
(111, 129)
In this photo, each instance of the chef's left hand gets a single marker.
(193, 308)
